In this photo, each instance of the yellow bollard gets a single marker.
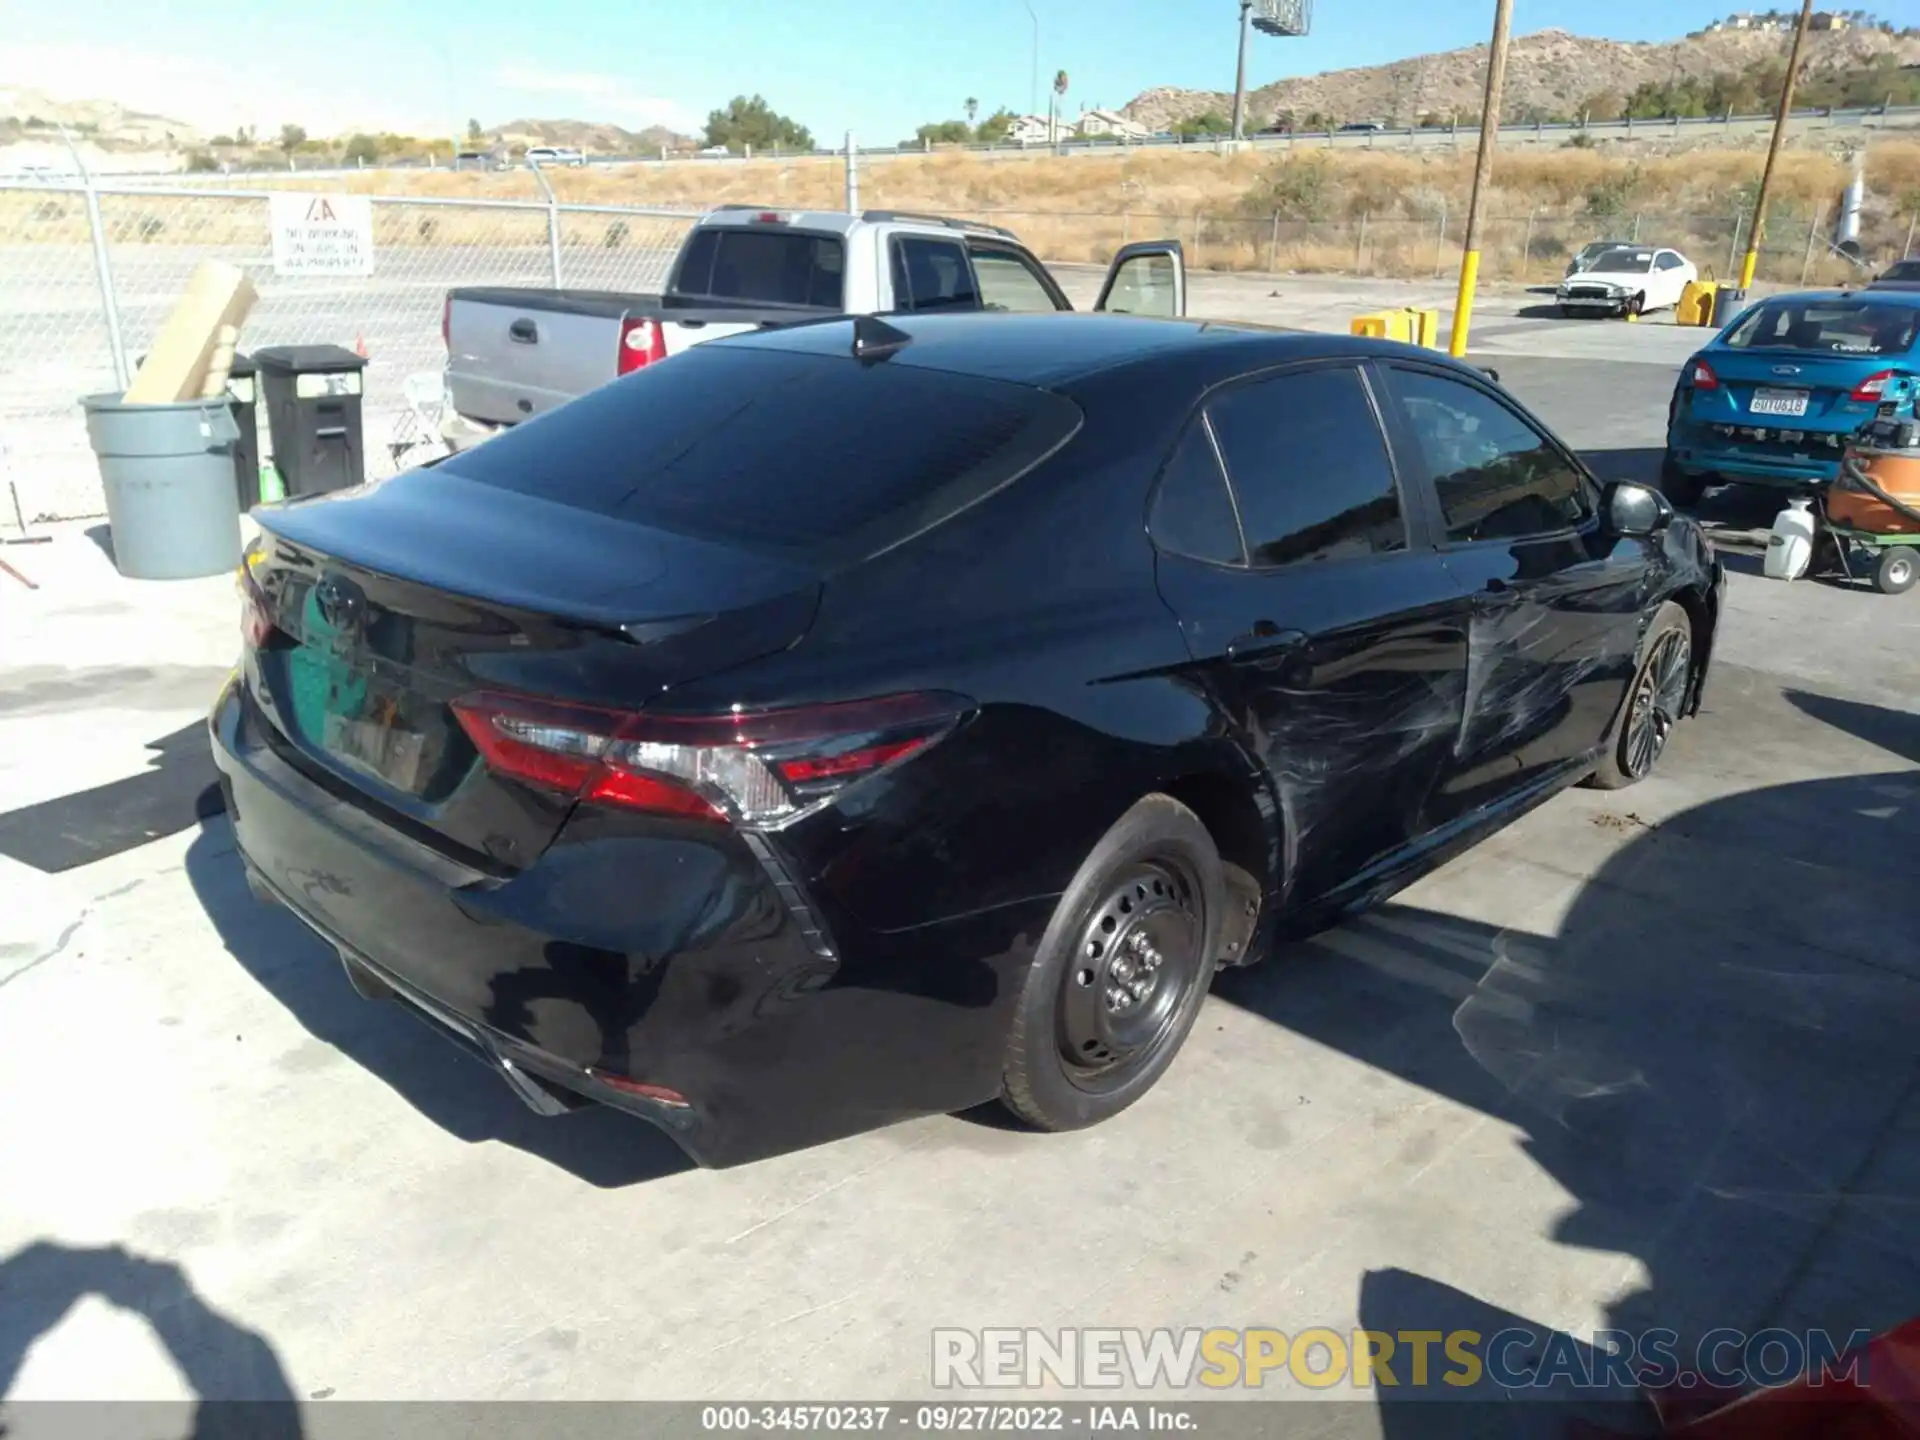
(1386, 325)
(1423, 326)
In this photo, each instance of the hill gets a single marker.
(1549, 73)
(588, 137)
(31, 115)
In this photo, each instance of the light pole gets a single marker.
(1482, 172)
(1773, 149)
(1240, 74)
(1033, 83)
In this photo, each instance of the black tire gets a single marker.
(1121, 972)
(1677, 485)
(1895, 572)
(1653, 704)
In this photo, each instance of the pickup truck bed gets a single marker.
(516, 353)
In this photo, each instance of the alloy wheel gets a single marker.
(1658, 696)
(1138, 959)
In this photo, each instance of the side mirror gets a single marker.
(1637, 510)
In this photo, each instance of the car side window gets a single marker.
(1191, 512)
(1667, 260)
(1498, 478)
(932, 274)
(1010, 281)
(1309, 467)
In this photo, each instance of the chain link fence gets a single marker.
(57, 327)
(1533, 248)
(57, 324)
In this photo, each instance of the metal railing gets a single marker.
(1403, 137)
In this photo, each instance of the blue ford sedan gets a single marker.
(1773, 399)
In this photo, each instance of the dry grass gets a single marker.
(1346, 211)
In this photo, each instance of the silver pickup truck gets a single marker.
(516, 353)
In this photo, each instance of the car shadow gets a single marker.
(1711, 1053)
(241, 1387)
(450, 1088)
(179, 787)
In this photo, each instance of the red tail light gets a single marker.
(755, 768)
(1703, 376)
(1871, 389)
(642, 342)
(256, 621)
(446, 322)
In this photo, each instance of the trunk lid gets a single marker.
(1784, 389)
(390, 602)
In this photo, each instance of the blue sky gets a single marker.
(878, 67)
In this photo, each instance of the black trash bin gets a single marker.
(313, 414)
(244, 394)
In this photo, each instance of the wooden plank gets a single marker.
(218, 296)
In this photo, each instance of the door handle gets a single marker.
(523, 332)
(1265, 638)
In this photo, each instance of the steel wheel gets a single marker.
(1658, 697)
(1896, 571)
(1138, 958)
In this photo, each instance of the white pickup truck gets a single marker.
(516, 353)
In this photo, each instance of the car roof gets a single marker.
(1860, 292)
(1053, 351)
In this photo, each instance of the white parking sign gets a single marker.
(321, 234)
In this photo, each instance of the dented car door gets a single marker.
(1555, 599)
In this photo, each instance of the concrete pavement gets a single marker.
(1642, 1059)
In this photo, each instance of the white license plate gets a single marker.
(1778, 402)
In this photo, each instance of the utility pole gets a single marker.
(1773, 150)
(1482, 173)
(1240, 75)
(1033, 100)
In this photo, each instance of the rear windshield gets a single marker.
(804, 455)
(768, 266)
(1834, 327)
(1902, 270)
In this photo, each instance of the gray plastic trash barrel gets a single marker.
(168, 475)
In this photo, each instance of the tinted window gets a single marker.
(1192, 514)
(1902, 270)
(768, 266)
(1624, 262)
(776, 450)
(932, 275)
(1669, 261)
(1836, 326)
(1007, 282)
(1310, 468)
(1498, 477)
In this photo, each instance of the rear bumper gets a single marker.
(1693, 457)
(676, 960)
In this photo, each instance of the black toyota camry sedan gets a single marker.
(874, 718)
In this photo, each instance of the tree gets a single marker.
(753, 122)
(995, 127)
(1210, 123)
(473, 130)
(362, 150)
(1060, 82)
(292, 137)
(972, 107)
(942, 132)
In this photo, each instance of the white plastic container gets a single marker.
(1790, 546)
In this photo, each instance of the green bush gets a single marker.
(616, 235)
